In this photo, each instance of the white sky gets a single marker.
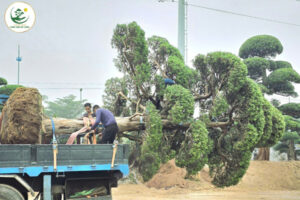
(69, 46)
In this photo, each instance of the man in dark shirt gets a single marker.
(110, 125)
(95, 107)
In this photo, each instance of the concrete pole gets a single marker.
(181, 27)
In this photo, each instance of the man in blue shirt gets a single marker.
(110, 125)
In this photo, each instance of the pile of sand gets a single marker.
(169, 175)
(261, 175)
(22, 117)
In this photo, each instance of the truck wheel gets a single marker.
(9, 193)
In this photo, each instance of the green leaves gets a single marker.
(151, 150)
(279, 81)
(66, 107)
(182, 74)
(9, 89)
(193, 153)
(261, 46)
(220, 106)
(292, 109)
(292, 124)
(290, 136)
(3, 81)
(130, 42)
(279, 64)
(111, 100)
(228, 72)
(180, 104)
(257, 67)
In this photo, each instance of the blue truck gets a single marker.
(64, 172)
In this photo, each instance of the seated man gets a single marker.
(110, 125)
(88, 109)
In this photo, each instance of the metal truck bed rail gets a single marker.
(36, 159)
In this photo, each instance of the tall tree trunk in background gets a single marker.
(263, 154)
(291, 152)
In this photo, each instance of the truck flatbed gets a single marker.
(88, 165)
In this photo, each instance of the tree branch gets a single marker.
(131, 137)
(200, 97)
(129, 99)
(219, 124)
(163, 73)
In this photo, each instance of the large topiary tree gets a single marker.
(273, 77)
(234, 119)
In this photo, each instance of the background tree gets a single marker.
(291, 137)
(66, 107)
(3, 81)
(273, 77)
(235, 118)
(111, 98)
(6, 89)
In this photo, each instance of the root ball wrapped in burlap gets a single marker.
(22, 117)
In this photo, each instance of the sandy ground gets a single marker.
(263, 180)
(141, 192)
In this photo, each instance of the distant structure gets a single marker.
(19, 59)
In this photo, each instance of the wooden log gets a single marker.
(125, 124)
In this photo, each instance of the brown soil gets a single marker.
(22, 117)
(263, 180)
(261, 175)
(169, 175)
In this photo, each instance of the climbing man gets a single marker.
(110, 125)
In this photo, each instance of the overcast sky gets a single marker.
(70, 44)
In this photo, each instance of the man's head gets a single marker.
(88, 107)
(95, 107)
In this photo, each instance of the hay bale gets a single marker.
(22, 117)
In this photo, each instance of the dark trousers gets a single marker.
(109, 134)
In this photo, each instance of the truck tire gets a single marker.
(9, 193)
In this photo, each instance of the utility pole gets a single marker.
(182, 27)
(80, 94)
(19, 59)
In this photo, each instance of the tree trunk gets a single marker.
(263, 154)
(125, 124)
(291, 152)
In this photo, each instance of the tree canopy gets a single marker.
(290, 137)
(234, 116)
(257, 52)
(66, 107)
(261, 46)
(291, 109)
(9, 89)
(3, 81)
